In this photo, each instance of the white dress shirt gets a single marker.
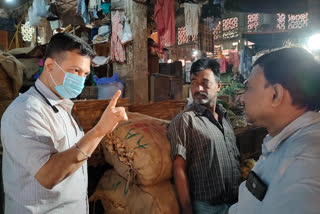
(290, 166)
(30, 133)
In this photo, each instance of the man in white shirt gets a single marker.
(283, 96)
(44, 150)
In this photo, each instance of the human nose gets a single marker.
(199, 87)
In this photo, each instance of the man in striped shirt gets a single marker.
(203, 147)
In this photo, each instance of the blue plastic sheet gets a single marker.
(106, 80)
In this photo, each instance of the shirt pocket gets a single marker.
(60, 140)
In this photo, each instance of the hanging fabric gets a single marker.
(223, 65)
(234, 58)
(105, 7)
(245, 62)
(82, 11)
(165, 19)
(36, 11)
(93, 7)
(192, 14)
(53, 12)
(117, 49)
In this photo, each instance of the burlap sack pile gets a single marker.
(120, 197)
(139, 151)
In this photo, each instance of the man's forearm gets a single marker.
(182, 184)
(63, 164)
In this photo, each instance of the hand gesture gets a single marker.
(111, 116)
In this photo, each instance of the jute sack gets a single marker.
(6, 87)
(3, 106)
(139, 150)
(31, 67)
(11, 76)
(119, 197)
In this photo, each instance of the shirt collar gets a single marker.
(202, 110)
(272, 143)
(52, 97)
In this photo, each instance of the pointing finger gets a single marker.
(114, 99)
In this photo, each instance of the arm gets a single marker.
(63, 164)
(293, 185)
(177, 135)
(298, 188)
(182, 184)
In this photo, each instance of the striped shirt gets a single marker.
(30, 133)
(210, 151)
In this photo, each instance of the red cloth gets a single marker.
(223, 65)
(234, 58)
(164, 17)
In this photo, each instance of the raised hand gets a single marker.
(111, 116)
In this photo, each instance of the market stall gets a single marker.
(145, 48)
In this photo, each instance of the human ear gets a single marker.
(219, 86)
(278, 95)
(49, 64)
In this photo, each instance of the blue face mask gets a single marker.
(72, 84)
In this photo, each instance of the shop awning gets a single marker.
(267, 6)
(267, 40)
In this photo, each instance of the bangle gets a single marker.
(79, 150)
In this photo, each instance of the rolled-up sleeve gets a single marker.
(28, 141)
(177, 135)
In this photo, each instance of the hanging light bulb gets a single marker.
(314, 42)
(195, 53)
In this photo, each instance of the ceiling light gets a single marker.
(195, 53)
(314, 42)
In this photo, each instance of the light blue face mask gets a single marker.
(72, 84)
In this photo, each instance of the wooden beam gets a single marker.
(4, 40)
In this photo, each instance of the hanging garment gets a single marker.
(105, 7)
(192, 14)
(164, 17)
(82, 11)
(245, 62)
(53, 12)
(234, 58)
(92, 5)
(117, 50)
(223, 65)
